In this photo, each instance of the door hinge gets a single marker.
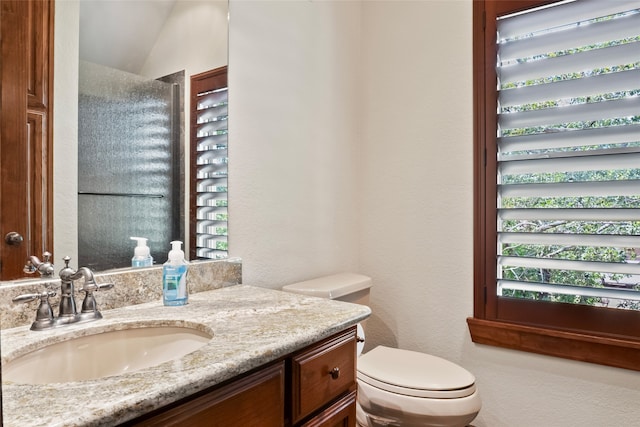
(484, 20)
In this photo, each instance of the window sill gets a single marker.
(616, 352)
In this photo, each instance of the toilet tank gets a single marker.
(348, 287)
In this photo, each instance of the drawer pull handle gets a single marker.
(335, 373)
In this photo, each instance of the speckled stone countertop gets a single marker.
(252, 326)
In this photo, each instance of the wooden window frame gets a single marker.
(578, 332)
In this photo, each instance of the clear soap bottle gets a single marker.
(174, 277)
(141, 254)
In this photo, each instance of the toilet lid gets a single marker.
(414, 374)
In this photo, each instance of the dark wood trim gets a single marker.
(478, 160)
(616, 352)
(48, 154)
(578, 332)
(577, 318)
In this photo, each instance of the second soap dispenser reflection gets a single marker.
(141, 254)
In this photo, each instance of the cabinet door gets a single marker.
(341, 414)
(254, 401)
(322, 373)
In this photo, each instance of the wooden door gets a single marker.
(26, 35)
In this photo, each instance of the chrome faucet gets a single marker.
(67, 312)
(44, 267)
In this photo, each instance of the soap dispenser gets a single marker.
(141, 254)
(174, 277)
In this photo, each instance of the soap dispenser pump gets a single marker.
(174, 277)
(141, 254)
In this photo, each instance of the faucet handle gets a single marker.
(93, 286)
(32, 297)
(44, 313)
(89, 305)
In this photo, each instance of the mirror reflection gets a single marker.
(130, 142)
(121, 102)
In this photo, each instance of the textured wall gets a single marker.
(412, 153)
(65, 132)
(293, 132)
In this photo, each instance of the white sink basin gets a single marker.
(104, 354)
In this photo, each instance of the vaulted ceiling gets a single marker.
(121, 33)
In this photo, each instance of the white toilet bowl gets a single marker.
(400, 387)
(407, 388)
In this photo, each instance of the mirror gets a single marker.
(151, 38)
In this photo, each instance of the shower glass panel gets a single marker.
(128, 166)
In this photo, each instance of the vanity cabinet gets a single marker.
(322, 373)
(315, 386)
(254, 400)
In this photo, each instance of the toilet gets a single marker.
(399, 387)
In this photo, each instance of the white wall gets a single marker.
(194, 38)
(65, 132)
(293, 130)
(387, 190)
(417, 131)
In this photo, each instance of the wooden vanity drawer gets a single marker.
(341, 413)
(256, 400)
(322, 373)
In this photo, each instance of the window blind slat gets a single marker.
(588, 162)
(584, 64)
(617, 241)
(623, 294)
(580, 214)
(571, 138)
(560, 14)
(563, 264)
(533, 155)
(594, 85)
(571, 189)
(583, 35)
(629, 106)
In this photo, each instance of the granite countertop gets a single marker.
(252, 326)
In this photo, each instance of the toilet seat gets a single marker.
(414, 374)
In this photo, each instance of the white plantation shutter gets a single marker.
(211, 160)
(569, 153)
